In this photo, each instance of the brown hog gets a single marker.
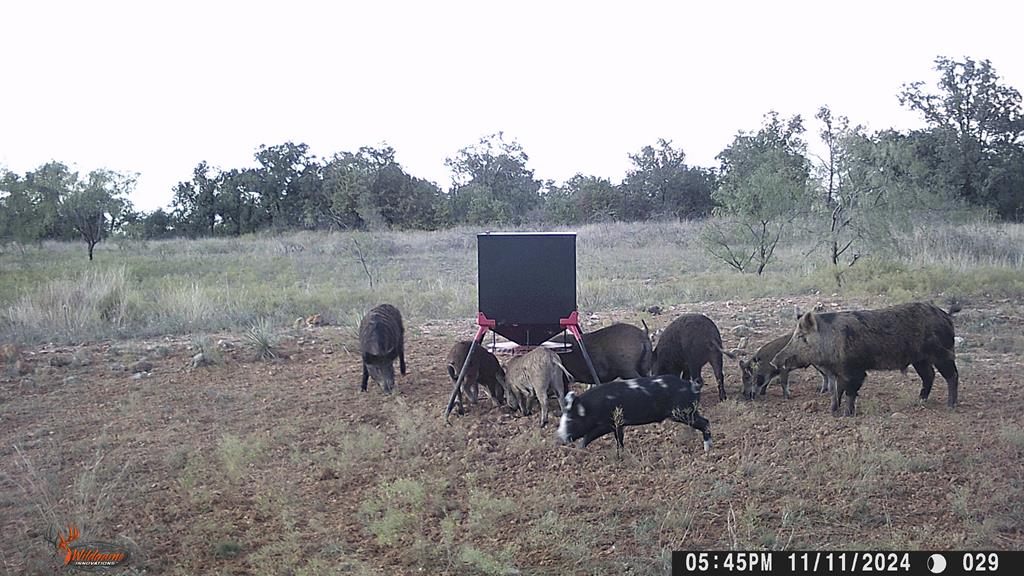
(381, 339)
(531, 376)
(758, 372)
(686, 345)
(848, 344)
(617, 351)
(483, 368)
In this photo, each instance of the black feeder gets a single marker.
(526, 282)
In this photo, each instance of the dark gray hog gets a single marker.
(848, 344)
(617, 351)
(686, 345)
(381, 340)
(483, 368)
(758, 372)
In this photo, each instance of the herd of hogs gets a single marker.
(644, 383)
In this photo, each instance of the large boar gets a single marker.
(381, 339)
(610, 407)
(759, 371)
(483, 368)
(617, 351)
(848, 344)
(686, 345)
(533, 375)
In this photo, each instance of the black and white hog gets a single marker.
(381, 340)
(617, 351)
(610, 407)
(848, 344)
(686, 345)
(758, 372)
(483, 368)
(533, 375)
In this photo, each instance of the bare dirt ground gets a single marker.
(284, 467)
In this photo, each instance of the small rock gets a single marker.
(223, 344)
(9, 352)
(328, 350)
(22, 367)
(741, 330)
(71, 380)
(898, 416)
(654, 310)
(60, 360)
(743, 342)
(958, 341)
(142, 366)
(139, 375)
(200, 359)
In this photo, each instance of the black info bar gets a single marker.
(847, 562)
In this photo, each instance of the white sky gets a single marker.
(156, 88)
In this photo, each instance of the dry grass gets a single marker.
(141, 289)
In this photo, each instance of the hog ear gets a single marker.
(808, 323)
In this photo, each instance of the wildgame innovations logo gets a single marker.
(88, 555)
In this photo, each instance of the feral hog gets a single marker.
(381, 339)
(758, 372)
(531, 376)
(483, 369)
(608, 408)
(617, 351)
(686, 345)
(848, 344)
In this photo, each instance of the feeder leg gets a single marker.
(586, 356)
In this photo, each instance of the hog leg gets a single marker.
(784, 381)
(947, 367)
(366, 376)
(716, 366)
(927, 373)
(701, 423)
(826, 381)
(761, 383)
(559, 387)
(837, 393)
(853, 384)
(542, 395)
(401, 355)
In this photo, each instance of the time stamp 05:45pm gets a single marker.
(734, 562)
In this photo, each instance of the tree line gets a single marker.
(970, 152)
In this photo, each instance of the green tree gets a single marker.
(93, 206)
(287, 184)
(491, 183)
(977, 127)
(762, 188)
(661, 184)
(21, 219)
(236, 201)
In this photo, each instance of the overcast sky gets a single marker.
(156, 88)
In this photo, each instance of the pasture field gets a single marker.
(281, 466)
